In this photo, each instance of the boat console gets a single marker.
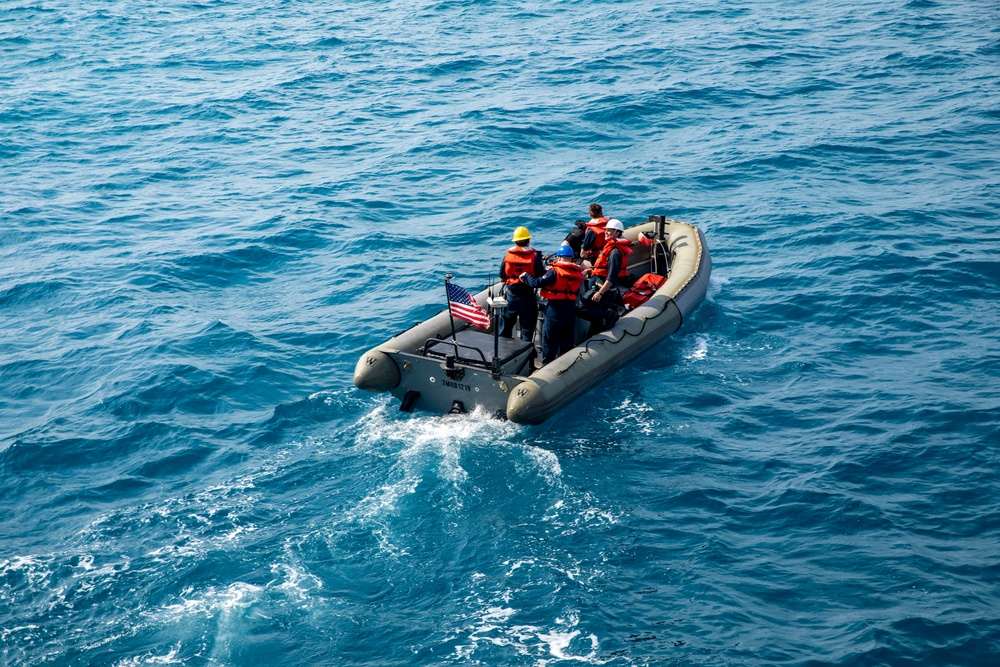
(475, 348)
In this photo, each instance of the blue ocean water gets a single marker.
(209, 209)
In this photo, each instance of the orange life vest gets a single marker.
(598, 226)
(601, 265)
(518, 260)
(568, 279)
(643, 289)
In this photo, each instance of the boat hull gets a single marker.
(425, 379)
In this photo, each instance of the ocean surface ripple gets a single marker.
(210, 208)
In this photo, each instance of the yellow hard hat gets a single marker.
(522, 234)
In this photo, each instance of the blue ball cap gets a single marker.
(564, 251)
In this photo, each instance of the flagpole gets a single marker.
(496, 334)
(451, 318)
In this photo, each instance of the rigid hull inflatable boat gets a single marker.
(444, 365)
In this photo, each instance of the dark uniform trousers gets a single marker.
(523, 306)
(559, 329)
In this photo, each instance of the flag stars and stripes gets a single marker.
(465, 308)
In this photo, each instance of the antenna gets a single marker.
(495, 306)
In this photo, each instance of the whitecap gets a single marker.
(295, 582)
(547, 462)
(558, 645)
(26, 631)
(715, 285)
(172, 657)
(634, 416)
(211, 602)
(697, 349)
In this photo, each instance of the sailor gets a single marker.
(611, 265)
(610, 271)
(593, 239)
(559, 286)
(521, 303)
(575, 237)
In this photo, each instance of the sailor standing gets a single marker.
(610, 268)
(596, 233)
(559, 286)
(521, 303)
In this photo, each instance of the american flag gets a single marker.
(464, 307)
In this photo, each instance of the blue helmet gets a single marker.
(564, 251)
